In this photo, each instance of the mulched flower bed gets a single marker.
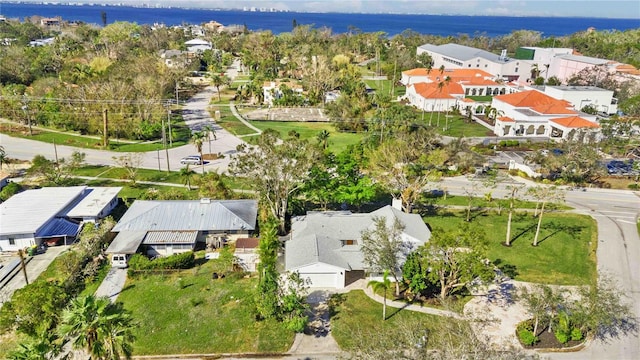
(549, 341)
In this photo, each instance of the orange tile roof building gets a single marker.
(535, 114)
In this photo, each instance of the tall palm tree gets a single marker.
(211, 133)
(218, 80)
(383, 286)
(187, 174)
(102, 329)
(197, 138)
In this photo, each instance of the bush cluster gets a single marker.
(184, 260)
(509, 143)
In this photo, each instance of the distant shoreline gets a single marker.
(339, 22)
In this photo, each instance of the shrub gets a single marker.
(527, 337)
(562, 336)
(184, 260)
(10, 190)
(576, 334)
(634, 186)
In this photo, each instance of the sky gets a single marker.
(546, 8)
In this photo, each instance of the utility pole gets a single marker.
(169, 124)
(393, 83)
(105, 129)
(158, 154)
(55, 151)
(164, 144)
(23, 265)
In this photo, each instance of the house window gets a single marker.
(349, 242)
(12, 241)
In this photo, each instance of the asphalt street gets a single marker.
(196, 116)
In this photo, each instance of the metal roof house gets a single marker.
(455, 56)
(325, 246)
(175, 226)
(33, 216)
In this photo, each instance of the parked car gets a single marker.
(191, 160)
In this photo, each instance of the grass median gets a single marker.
(565, 255)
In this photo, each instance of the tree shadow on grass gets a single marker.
(572, 230)
(397, 310)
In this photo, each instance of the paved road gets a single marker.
(196, 116)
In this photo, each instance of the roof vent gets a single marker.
(205, 201)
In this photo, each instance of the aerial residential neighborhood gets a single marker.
(210, 191)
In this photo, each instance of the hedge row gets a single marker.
(178, 261)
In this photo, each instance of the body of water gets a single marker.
(277, 22)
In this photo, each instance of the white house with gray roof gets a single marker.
(455, 56)
(33, 216)
(324, 247)
(175, 226)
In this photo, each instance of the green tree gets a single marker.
(41, 347)
(3, 156)
(218, 80)
(102, 329)
(384, 285)
(293, 301)
(455, 258)
(383, 248)
(277, 169)
(323, 138)
(213, 185)
(21, 313)
(197, 138)
(266, 296)
(187, 174)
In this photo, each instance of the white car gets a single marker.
(191, 160)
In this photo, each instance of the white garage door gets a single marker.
(322, 280)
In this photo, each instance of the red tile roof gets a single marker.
(575, 122)
(537, 101)
(431, 90)
(506, 119)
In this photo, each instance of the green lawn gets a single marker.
(107, 172)
(199, 315)
(357, 317)
(458, 200)
(480, 98)
(338, 141)
(180, 137)
(383, 86)
(230, 122)
(565, 255)
(456, 126)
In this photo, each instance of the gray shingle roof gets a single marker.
(463, 53)
(317, 237)
(172, 215)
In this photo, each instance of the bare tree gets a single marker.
(514, 189)
(131, 163)
(544, 195)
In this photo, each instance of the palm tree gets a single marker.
(323, 137)
(102, 329)
(218, 80)
(187, 174)
(544, 195)
(211, 133)
(383, 286)
(41, 347)
(197, 138)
